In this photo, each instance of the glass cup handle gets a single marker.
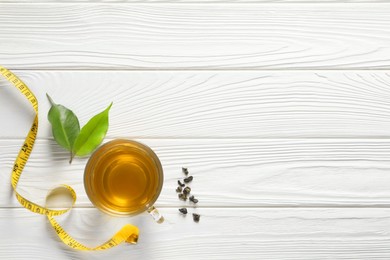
(156, 215)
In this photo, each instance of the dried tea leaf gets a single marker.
(183, 211)
(196, 217)
(92, 134)
(65, 124)
(188, 179)
(186, 190)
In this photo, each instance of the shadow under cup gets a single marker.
(123, 178)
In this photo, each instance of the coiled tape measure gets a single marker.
(127, 233)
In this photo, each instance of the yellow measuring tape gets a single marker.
(127, 233)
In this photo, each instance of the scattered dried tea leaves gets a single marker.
(183, 193)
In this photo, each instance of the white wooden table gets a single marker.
(281, 111)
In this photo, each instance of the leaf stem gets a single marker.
(50, 100)
(71, 157)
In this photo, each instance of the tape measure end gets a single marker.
(133, 239)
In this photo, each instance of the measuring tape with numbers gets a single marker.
(127, 233)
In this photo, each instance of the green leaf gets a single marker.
(65, 124)
(92, 134)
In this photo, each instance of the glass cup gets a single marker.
(124, 178)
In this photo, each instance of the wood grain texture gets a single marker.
(199, 1)
(198, 104)
(209, 36)
(231, 173)
(282, 234)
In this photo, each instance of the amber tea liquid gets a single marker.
(123, 177)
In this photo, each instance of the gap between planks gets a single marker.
(179, 69)
(194, 2)
(232, 138)
(384, 206)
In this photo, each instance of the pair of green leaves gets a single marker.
(67, 133)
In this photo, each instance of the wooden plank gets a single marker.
(198, 36)
(231, 173)
(198, 104)
(199, 1)
(221, 234)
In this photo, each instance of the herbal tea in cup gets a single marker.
(124, 178)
